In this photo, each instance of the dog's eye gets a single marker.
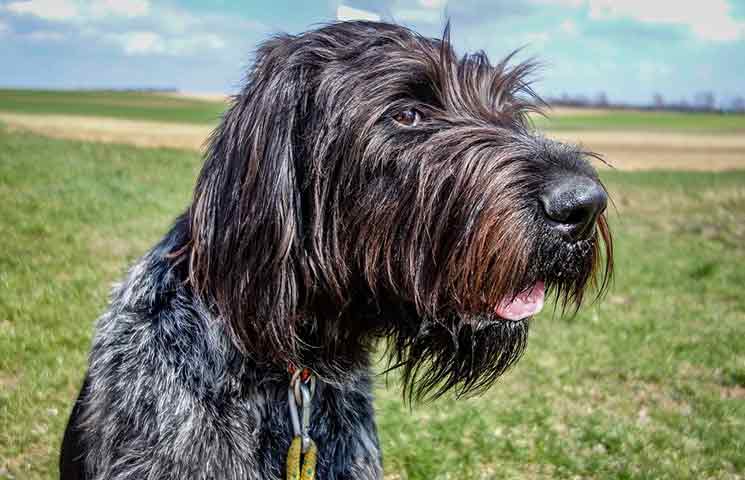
(409, 117)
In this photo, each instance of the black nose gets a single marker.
(572, 204)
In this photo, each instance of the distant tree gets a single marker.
(658, 101)
(601, 99)
(705, 100)
(738, 104)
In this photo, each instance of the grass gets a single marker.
(160, 107)
(72, 215)
(115, 104)
(649, 383)
(644, 121)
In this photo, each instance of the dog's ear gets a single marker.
(245, 220)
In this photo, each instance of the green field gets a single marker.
(115, 104)
(159, 107)
(637, 120)
(648, 383)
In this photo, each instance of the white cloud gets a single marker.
(709, 20)
(177, 21)
(153, 43)
(569, 27)
(437, 4)
(415, 15)
(560, 3)
(135, 27)
(344, 12)
(77, 10)
(56, 10)
(139, 43)
(124, 8)
(185, 45)
(45, 36)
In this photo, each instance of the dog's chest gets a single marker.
(158, 407)
(169, 397)
(342, 426)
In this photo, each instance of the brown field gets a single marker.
(207, 96)
(141, 133)
(570, 111)
(624, 150)
(627, 150)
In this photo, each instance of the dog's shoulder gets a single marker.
(167, 386)
(163, 383)
(155, 319)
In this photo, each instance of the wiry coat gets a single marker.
(168, 395)
(321, 223)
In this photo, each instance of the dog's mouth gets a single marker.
(523, 305)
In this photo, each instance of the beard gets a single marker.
(465, 354)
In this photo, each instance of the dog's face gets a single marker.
(368, 182)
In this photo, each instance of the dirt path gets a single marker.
(624, 150)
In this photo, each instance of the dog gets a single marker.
(367, 185)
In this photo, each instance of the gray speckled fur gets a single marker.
(168, 396)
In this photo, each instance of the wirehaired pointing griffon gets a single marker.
(366, 183)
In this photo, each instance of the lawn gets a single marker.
(114, 104)
(644, 121)
(648, 383)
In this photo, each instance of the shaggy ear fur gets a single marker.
(246, 253)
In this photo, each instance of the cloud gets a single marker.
(139, 43)
(55, 10)
(344, 12)
(126, 8)
(432, 3)
(569, 27)
(419, 15)
(78, 11)
(430, 15)
(711, 20)
(45, 36)
(152, 43)
(134, 27)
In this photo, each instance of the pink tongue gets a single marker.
(524, 305)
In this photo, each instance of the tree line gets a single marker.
(703, 101)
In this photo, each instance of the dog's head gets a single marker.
(368, 182)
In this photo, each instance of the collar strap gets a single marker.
(305, 373)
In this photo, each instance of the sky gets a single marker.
(627, 49)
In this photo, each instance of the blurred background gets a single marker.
(105, 105)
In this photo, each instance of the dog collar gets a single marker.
(302, 455)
